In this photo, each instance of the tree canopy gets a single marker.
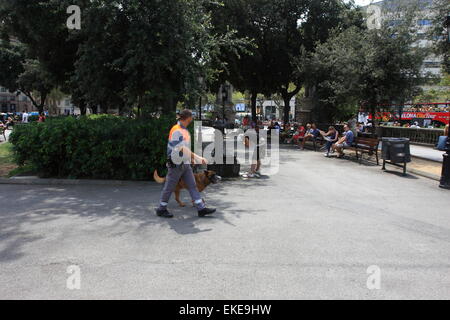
(283, 31)
(151, 54)
(357, 67)
(142, 53)
(20, 73)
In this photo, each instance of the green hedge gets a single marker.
(96, 147)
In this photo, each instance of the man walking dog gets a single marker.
(180, 158)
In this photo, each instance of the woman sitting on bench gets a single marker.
(331, 137)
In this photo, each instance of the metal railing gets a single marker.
(428, 137)
(419, 136)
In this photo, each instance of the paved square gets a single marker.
(311, 231)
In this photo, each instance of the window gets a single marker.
(2, 89)
(394, 23)
(432, 65)
(13, 98)
(424, 22)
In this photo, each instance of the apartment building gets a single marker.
(14, 102)
(432, 64)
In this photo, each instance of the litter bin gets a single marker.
(397, 152)
(230, 167)
(226, 170)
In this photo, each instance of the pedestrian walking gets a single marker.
(179, 160)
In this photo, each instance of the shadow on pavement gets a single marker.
(400, 174)
(115, 209)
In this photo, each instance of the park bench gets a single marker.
(316, 143)
(366, 145)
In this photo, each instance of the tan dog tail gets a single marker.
(157, 178)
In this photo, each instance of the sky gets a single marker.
(363, 2)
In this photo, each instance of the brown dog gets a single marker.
(203, 180)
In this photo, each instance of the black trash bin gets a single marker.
(397, 152)
(230, 167)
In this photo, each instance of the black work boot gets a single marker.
(205, 212)
(163, 213)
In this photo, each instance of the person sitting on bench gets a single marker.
(298, 135)
(442, 143)
(312, 133)
(331, 137)
(345, 142)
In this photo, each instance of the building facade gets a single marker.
(14, 102)
(267, 109)
(432, 64)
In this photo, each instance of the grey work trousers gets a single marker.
(173, 177)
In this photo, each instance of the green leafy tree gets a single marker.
(24, 75)
(335, 70)
(35, 83)
(282, 31)
(245, 69)
(145, 54)
(439, 32)
(366, 67)
(41, 26)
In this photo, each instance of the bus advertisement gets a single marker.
(437, 113)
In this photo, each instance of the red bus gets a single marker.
(434, 113)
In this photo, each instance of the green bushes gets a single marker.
(98, 147)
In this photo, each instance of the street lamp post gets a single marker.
(201, 81)
(225, 90)
(200, 109)
(445, 179)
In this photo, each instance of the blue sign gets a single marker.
(241, 107)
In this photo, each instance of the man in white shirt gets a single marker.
(25, 117)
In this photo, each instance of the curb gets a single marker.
(428, 159)
(68, 182)
(425, 174)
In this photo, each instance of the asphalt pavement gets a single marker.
(311, 231)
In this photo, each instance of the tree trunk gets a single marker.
(287, 109)
(169, 104)
(104, 108)
(39, 106)
(83, 108)
(253, 104)
(287, 97)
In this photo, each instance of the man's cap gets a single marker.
(185, 114)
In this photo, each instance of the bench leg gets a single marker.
(378, 159)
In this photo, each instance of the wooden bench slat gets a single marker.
(366, 145)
